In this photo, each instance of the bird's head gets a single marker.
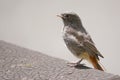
(70, 19)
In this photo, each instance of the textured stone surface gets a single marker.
(17, 63)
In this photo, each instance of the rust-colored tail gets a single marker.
(95, 63)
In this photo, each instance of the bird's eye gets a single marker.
(67, 16)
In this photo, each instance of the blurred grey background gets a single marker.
(33, 24)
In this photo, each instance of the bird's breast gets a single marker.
(67, 34)
(73, 35)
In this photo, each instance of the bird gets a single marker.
(78, 40)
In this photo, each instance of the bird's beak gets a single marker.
(60, 16)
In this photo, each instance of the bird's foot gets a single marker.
(75, 64)
(72, 64)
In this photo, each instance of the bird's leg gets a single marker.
(79, 61)
(75, 64)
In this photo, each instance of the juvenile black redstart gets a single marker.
(79, 41)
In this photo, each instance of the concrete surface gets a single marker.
(17, 63)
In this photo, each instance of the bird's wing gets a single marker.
(84, 40)
(90, 46)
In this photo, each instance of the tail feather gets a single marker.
(95, 63)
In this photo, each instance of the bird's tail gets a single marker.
(95, 63)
